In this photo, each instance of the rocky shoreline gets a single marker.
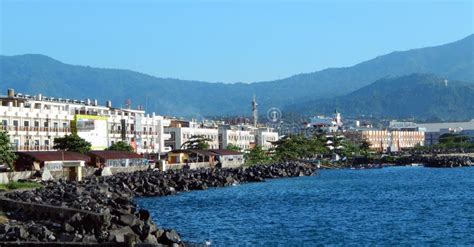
(434, 161)
(101, 210)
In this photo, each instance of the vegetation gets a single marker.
(399, 97)
(57, 79)
(120, 146)
(19, 185)
(233, 147)
(257, 155)
(295, 147)
(449, 141)
(6, 153)
(196, 142)
(72, 143)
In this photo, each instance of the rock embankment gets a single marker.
(438, 161)
(101, 209)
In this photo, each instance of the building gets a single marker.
(240, 136)
(206, 158)
(115, 159)
(62, 164)
(388, 140)
(229, 158)
(435, 130)
(264, 137)
(327, 124)
(181, 131)
(183, 156)
(33, 122)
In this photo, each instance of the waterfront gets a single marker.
(399, 205)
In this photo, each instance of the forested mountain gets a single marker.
(422, 96)
(34, 74)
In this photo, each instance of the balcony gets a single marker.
(32, 148)
(35, 129)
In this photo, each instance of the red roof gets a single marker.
(54, 156)
(115, 155)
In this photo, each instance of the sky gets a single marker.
(227, 41)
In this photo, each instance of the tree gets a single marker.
(196, 142)
(233, 147)
(295, 147)
(256, 155)
(120, 146)
(72, 143)
(6, 154)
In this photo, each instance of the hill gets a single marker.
(34, 74)
(423, 96)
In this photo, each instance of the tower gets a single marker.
(337, 118)
(254, 111)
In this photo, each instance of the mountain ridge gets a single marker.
(426, 96)
(41, 74)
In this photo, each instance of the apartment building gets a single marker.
(33, 122)
(181, 131)
(387, 139)
(265, 136)
(240, 136)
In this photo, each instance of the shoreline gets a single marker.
(102, 211)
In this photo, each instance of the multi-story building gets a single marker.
(220, 135)
(33, 122)
(264, 137)
(182, 131)
(240, 136)
(387, 139)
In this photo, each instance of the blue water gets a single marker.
(390, 206)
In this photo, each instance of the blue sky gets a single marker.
(227, 41)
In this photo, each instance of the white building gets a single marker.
(181, 131)
(265, 136)
(33, 122)
(327, 124)
(239, 136)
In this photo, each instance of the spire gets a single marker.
(254, 111)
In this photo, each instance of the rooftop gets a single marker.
(115, 155)
(435, 127)
(54, 156)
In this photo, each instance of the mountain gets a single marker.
(34, 74)
(423, 96)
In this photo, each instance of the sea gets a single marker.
(389, 206)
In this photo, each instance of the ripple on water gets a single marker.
(400, 205)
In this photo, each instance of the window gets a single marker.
(64, 125)
(15, 123)
(37, 123)
(4, 122)
(46, 142)
(26, 123)
(55, 125)
(46, 124)
(37, 142)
